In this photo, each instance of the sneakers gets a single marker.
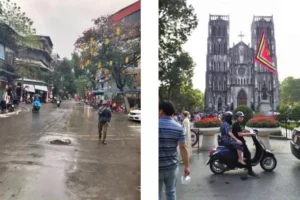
(252, 174)
(104, 143)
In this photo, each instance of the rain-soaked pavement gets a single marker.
(281, 184)
(32, 168)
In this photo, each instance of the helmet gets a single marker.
(228, 113)
(239, 114)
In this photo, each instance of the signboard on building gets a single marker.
(2, 52)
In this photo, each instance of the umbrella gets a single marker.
(37, 95)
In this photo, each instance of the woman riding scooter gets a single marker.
(228, 138)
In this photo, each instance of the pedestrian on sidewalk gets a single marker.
(104, 119)
(187, 131)
(171, 134)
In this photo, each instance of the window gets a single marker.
(213, 31)
(134, 17)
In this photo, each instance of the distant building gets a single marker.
(232, 76)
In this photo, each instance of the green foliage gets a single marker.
(82, 83)
(176, 22)
(283, 110)
(247, 112)
(296, 113)
(12, 15)
(290, 91)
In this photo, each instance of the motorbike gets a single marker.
(35, 109)
(10, 107)
(58, 102)
(225, 158)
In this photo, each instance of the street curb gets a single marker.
(278, 137)
(12, 113)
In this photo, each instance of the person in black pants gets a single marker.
(239, 133)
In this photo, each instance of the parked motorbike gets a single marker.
(10, 107)
(58, 102)
(35, 109)
(225, 158)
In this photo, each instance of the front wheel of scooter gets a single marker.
(216, 167)
(268, 163)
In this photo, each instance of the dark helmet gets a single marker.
(228, 113)
(228, 117)
(239, 114)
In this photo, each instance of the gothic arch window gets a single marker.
(216, 49)
(224, 31)
(213, 31)
(219, 31)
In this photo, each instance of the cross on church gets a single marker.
(241, 35)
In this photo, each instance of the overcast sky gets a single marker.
(287, 31)
(65, 20)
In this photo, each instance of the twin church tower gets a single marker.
(232, 76)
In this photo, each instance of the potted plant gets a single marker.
(209, 127)
(265, 126)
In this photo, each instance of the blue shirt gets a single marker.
(37, 103)
(170, 134)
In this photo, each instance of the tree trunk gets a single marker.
(126, 103)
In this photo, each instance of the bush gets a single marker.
(208, 123)
(283, 113)
(296, 113)
(247, 112)
(263, 122)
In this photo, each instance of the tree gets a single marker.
(110, 47)
(12, 15)
(290, 91)
(180, 72)
(176, 22)
(296, 113)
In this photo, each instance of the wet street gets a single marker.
(32, 168)
(281, 184)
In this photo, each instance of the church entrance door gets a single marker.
(242, 98)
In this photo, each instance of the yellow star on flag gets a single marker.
(118, 31)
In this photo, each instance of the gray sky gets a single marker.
(287, 31)
(65, 20)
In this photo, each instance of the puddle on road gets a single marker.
(58, 139)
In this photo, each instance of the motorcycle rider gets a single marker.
(239, 133)
(37, 103)
(228, 138)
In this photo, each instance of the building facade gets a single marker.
(232, 76)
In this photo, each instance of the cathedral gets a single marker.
(232, 76)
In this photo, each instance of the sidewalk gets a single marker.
(17, 111)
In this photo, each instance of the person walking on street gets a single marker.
(187, 131)
(239, 133)
(104, 119)
(171, 134)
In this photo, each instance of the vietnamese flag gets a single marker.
(263, 56)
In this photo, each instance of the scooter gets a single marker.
(225, 158)
(58, 102)
(35, 109)
(10, 107)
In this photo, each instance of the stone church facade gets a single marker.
(232, 76)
